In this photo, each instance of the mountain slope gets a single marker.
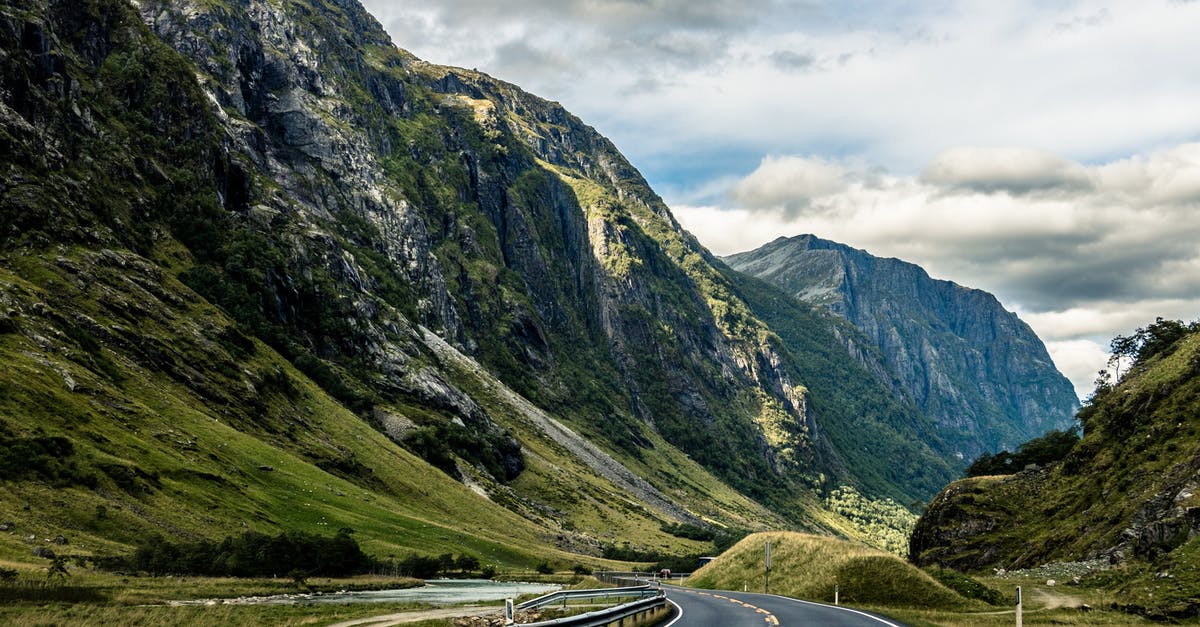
(393, 279)
(979, 372)
(1126, 494)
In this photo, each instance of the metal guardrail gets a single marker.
(609, 616)
(565, 595)
(617, 577)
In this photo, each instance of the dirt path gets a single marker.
(1041, 600)
(1052, 599)
(413, 616)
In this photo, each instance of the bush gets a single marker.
(966, 586)
(1047, 449)
(50, 458)
(544, 569)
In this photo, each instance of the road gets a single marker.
(715, 608)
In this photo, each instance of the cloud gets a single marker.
(792, 61)
(1011, 170)
(792, 184)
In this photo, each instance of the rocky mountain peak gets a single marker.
(975, 368)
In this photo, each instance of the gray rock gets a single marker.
(977, 370)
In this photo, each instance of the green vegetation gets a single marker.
(1124, 489)
(883, 524)
(90, 615)
(249, 555)
(966, 586)
(810, 567)
(1047, 449)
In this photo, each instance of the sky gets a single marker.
(1047, 152)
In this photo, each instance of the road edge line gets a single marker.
(837, 607)
(677, 618)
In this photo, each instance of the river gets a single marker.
(434, 592)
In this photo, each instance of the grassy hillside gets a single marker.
(199, 433)
(188, 428)
(1125, 494)
(809, 567)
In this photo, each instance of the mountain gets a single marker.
(259, 268)
(978, 371)
(1123, 500)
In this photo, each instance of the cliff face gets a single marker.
(1125, 495)
(977, 370)
(467, 271)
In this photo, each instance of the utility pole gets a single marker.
(767, 587)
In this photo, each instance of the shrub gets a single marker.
(966, 586)
(249, 555)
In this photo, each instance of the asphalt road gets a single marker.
(715, 608)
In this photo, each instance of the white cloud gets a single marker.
(894, 85)
(791, 183)
(1012, 170)
(1080, 361)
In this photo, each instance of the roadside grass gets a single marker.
(90, 615)
(944, 618)
(112, 589)
(810, 567)
(1043, 605)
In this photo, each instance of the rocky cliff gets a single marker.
(1125, 497)
(976, 369)
(408, 284)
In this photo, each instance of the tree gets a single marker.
(446, 562)
(468, 563)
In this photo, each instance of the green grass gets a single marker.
(53, 615)
(197, 467)
(809, 567)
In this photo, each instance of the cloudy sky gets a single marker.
(1042, 151)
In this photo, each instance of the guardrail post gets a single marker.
(508, 612)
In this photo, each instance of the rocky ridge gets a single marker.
(976, 369)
